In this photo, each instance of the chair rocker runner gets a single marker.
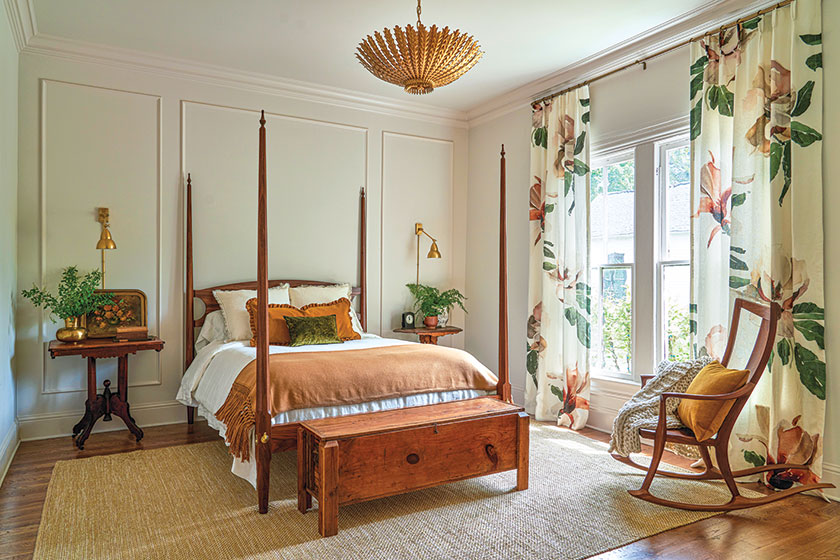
(720, 441)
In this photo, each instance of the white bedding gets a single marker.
(207, 382)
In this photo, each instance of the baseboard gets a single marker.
(831, 473)
(50, 425)
(8, 448)
(606, 399)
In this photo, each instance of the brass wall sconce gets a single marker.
(434, 252)
(106, 242)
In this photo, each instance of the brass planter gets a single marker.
(72, 331)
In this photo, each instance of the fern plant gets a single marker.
(75, 294)
(431, 302)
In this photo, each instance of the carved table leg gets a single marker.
(118, 402)
(94, 411)
(428, 339)
(94, 407)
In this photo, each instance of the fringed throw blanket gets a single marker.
(642, 410)
(312, 379)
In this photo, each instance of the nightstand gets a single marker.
(107, 403)
(430, 336)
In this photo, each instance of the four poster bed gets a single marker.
(260, 426)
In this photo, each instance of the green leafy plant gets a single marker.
(431, 302)
(75, 294)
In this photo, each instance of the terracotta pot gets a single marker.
(72, 331)
(431, 322)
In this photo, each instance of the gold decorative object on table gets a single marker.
(421, 59)
(72, 331)
(434, 252)
(126, 309)
(106, 242)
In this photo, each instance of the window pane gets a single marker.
(612, 203)
(677, 204)
(613, 319)
(676, 286)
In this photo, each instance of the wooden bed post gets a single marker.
(189, 334)
(263, 419)
(503, 387)
(363, 259)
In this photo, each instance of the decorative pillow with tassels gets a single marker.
(278, 329)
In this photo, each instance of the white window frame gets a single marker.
(662, 248)
(647, 344)
(603, 160)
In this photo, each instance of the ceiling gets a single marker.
(315, 40)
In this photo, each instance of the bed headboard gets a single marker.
(210, 303)
(358, 293)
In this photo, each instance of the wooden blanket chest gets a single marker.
(361, 457)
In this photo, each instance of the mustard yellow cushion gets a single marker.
(705, 418)
(278, 330)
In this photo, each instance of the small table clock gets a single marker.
(408, 320)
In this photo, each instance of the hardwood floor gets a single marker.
(799, 528)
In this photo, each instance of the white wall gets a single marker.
(8, 237)
(99, 135)
(513, 130)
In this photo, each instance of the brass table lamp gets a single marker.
(434, 252)
(106, 242)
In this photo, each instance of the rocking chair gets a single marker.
(720, 441)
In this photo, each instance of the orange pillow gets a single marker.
(705, 418)
(278, 331)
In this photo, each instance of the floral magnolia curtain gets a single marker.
(558, 291)
(756, 98)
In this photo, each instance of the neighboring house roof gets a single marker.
(620, 208)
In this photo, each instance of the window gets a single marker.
(639, 257)
(612, 244)
(674, 249)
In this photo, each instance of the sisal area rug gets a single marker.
(183, 502)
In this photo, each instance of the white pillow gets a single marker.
(305, 295)
(213, 330)
(232, 302)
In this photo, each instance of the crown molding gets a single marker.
(80, 51)
(21, 16)
(690, 24)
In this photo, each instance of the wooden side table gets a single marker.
(107, 403)
(430, 336)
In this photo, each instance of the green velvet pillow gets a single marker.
(312, 330)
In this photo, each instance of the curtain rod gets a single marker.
(643, 61)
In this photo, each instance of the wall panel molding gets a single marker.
(385, 326)
(46, 389)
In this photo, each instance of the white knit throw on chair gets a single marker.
(642, 410)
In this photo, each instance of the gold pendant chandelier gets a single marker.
(421, 59)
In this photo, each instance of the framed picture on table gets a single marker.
(127, 310)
